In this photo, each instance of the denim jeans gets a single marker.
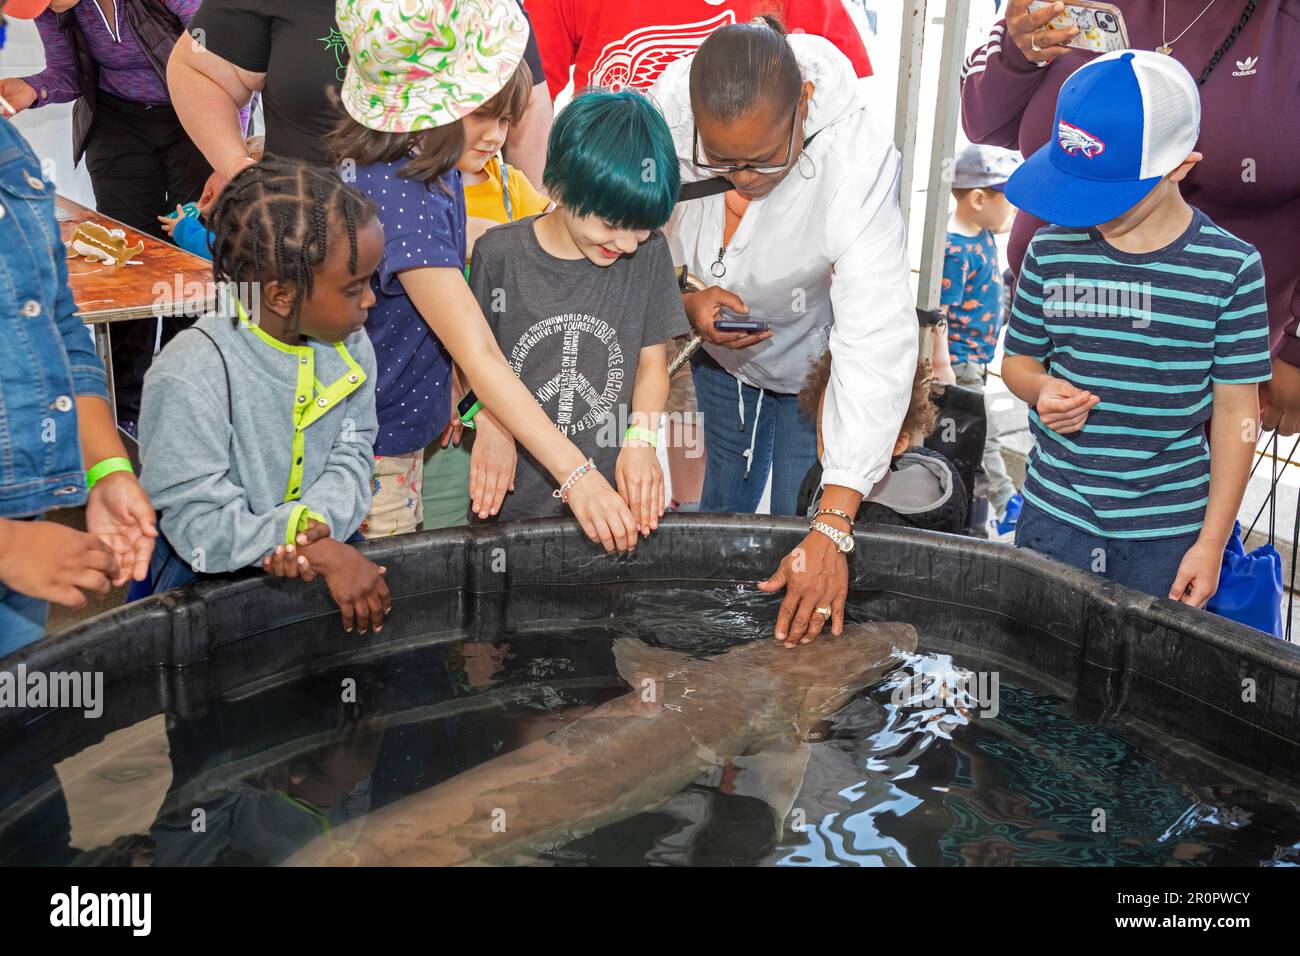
(1144, 564)
(741, 447)
(22, 620)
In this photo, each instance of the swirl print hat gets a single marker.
(420, 64)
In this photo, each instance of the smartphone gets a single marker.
(729, 321)
(1101, 25)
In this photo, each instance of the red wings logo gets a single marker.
(637, 59)
(1076, 141)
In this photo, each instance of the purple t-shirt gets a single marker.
(1249, 181)
(424, 226)
(124, 70)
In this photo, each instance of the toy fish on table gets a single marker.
(99, 244)
(751, 707)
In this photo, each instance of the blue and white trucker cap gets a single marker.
(1123, 122)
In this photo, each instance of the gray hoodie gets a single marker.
(299, 446)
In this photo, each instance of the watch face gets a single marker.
(846, 543)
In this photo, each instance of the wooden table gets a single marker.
(169, 282)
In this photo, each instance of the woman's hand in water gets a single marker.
(602, 513)
(704, 308)
(640, 480)
(491, 466)
(815, 574)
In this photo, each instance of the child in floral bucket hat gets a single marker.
(419, 65)
(417, 68)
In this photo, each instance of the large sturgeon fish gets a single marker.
(751, 707)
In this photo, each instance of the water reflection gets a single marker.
(888, 782)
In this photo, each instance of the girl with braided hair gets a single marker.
(257, 425)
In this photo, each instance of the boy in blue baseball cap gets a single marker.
(1136, 319)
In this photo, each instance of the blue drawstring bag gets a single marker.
(1250, 586)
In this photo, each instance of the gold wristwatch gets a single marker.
(843, 539)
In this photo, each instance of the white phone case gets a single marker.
(1101, 25)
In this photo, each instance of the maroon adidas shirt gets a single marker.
(1249, 181)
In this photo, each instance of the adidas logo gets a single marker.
(1246, 67)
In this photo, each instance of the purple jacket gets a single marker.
(124, 69)
(1249, 180)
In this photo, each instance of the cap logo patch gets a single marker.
(1076, 141)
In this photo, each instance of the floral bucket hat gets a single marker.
(420, 64)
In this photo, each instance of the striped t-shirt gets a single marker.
(1149, 334)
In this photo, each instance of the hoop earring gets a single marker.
(811, 162)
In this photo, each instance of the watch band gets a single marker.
(843, 540)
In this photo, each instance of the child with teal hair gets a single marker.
(582, 299)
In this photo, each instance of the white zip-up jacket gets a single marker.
(822, 257)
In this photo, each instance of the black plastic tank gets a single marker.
(1204, 686)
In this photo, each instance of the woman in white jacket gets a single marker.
(811, 241)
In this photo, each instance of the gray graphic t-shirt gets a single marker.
(573, 332)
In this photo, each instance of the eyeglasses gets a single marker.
(762, 169)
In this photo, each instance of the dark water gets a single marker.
(895, 778)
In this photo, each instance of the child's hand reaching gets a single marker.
(119, 513)
(1062, 407)
(286, 561)
(1198, 575)
(355, 582)
(491, 466)
(640, 481)
(169, 222)
(52, 562)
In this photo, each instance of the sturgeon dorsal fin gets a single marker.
(773, 774)
(637, 660)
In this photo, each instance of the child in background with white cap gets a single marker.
(971, 298)
(1136, 319)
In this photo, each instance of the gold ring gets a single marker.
(824, 612)
(1033, 44)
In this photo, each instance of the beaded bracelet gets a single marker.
(562, 492)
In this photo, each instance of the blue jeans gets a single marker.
(741, 448)
(1144, 564)
(22, 620)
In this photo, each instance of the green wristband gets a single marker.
(636, 432)
(105, 468)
